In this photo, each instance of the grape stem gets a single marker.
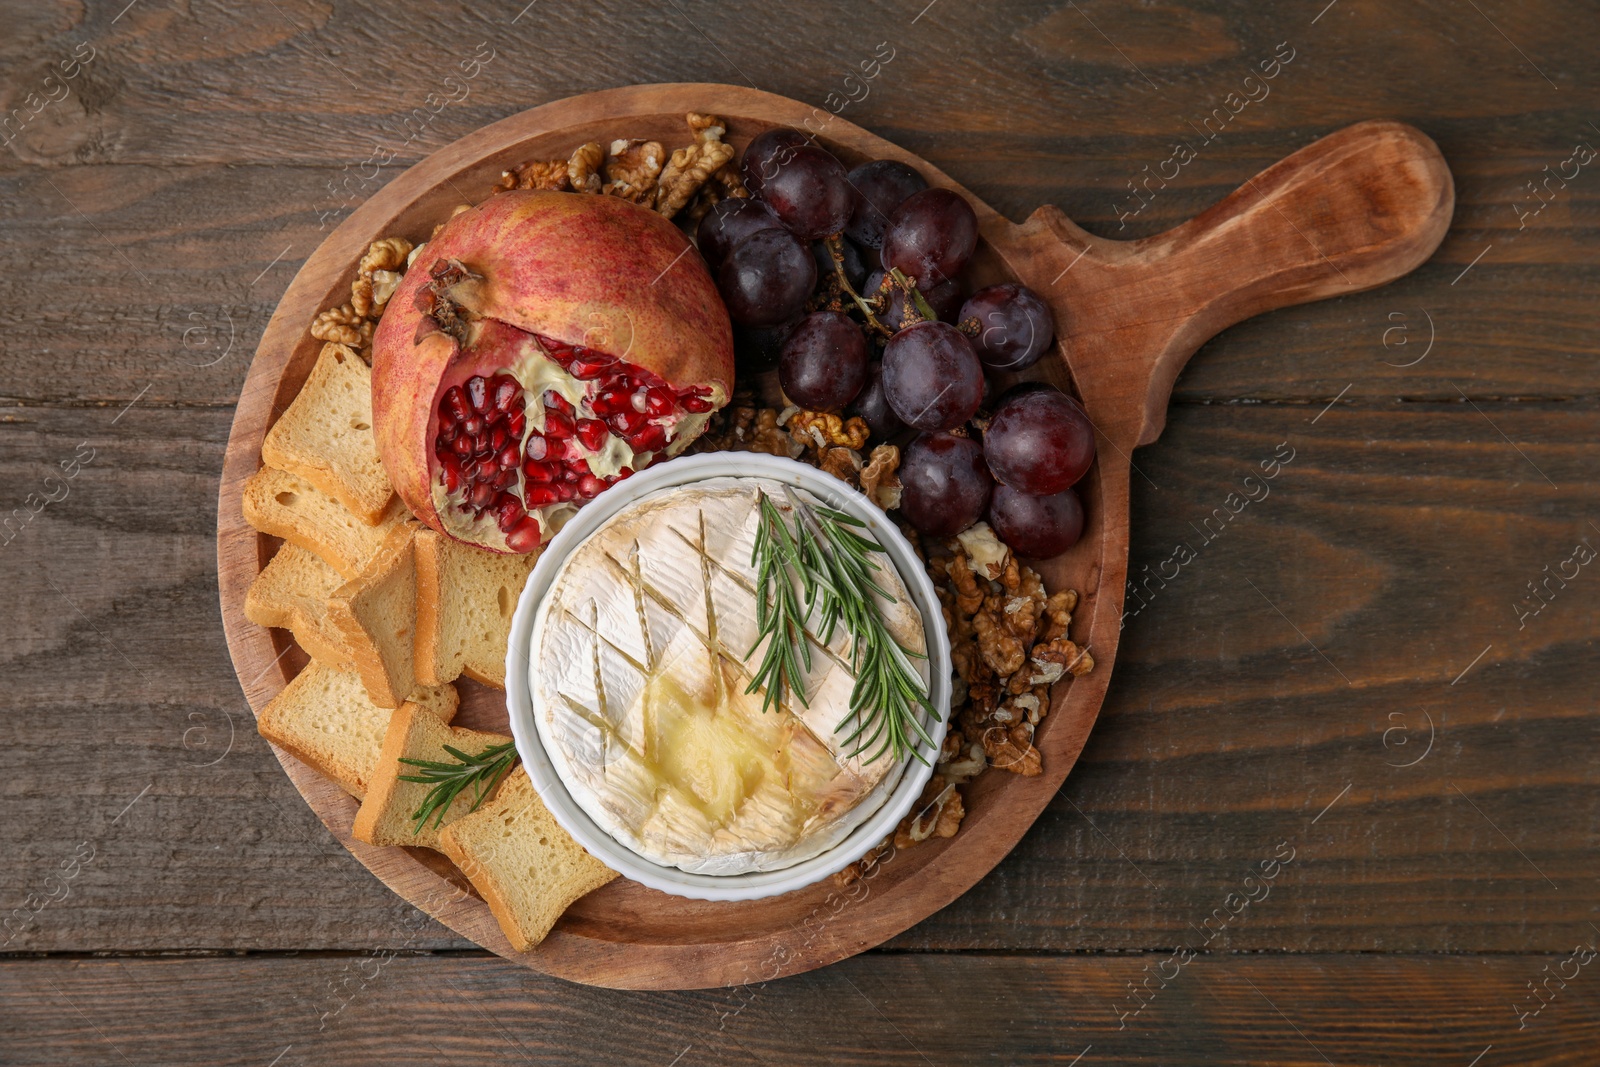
(910, 287)
(836, 253)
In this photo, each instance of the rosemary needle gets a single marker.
(481, 772)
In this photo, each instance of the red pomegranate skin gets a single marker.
(589, 271)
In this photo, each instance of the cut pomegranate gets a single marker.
(544, 347)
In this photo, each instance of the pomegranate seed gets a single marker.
(660, 401)
(536, 446)
(566, 490)
(505, 390)
(611, 401)
(498, 437)
(525, 538)
(558, 425)
(652, 438)
(555, 401)
(481, 495)
(480, 444)
(624, 472)
(593, 434)
(589, 365)
(539, 473)
(697, 405)
(640, 399)
(590, 486)
(472, 425)
(628, 422)
(516, 422)
(505, 478)
(450, 472)
(508, 512)
(461, 446)
(478, 393)
(559, 351)
(541, 496)
(453, 404)
(509, 456)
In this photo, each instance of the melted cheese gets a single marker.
(641, 656)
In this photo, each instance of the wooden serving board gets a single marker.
(1352, 211)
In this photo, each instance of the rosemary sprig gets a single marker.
(833, 563)
(482, 772)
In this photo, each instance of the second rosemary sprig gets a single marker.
(480, 773)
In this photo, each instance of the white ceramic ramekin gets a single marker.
(530, 743)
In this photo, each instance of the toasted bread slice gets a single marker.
(287, 506)
(323, 718)
(528, 869)
(465, 598)
(326, 438)
(386, 815)
(376, 616)
(292, 592)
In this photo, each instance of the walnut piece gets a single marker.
(1002, 649)
(344, 325)
(690, 168)
(1012, 749)
(549, 174)
(767, 436)
(821, 430)
(583, 169)
(938, 813)
(1052, 659)
(632, 170)
(1058, 609)
(969, 598)
(986, 553)
(843, 463)
(389, 253)
(729, 180)
(879, 480)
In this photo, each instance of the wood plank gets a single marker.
(878, 1008)
(169, 275)
(318, 82)
(1398, 540)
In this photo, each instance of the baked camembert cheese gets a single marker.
(640, 658)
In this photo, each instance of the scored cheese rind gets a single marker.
(653, 733)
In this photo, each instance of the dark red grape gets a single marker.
(1039, 441)
(1010, 326)
(757, 348)
(944, 298)
(931, 377)
(767, 278)
(946, 486)
(931, 236)
(855, 271)
(765, 151)
(871, 405)
(1036, 526)
(824, 361)
(728, 223)
(808, 190)
(881, 186)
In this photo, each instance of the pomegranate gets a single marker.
(542, 347)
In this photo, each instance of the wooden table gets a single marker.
(1385, 670)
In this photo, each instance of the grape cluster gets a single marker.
(850, 283)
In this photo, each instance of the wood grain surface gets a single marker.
(163, 205)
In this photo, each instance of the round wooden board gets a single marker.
(1237, 256)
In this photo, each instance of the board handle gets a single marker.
(1354, 210)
